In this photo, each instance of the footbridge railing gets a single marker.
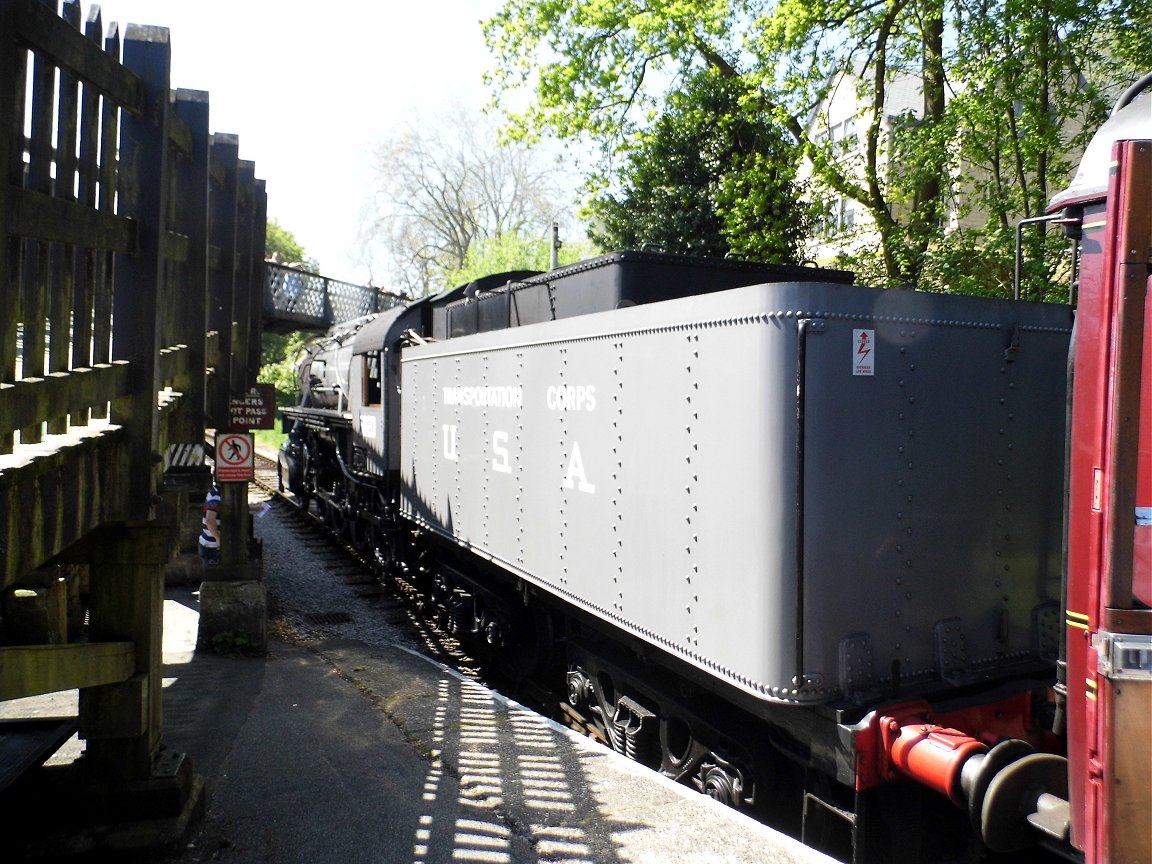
(296, 299)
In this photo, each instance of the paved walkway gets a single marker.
(341, 752)
(336, 752)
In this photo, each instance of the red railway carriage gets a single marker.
(1109, 580)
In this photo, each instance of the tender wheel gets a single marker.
(579, 688)
(719, 785)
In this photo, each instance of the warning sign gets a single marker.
(863, 352)
(235, 459)
(256, 409)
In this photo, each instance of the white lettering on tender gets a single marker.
(500, 461)
(576, 476)
(571, 397)
(450, 451)
(485, 397)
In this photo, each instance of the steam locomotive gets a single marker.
(776, 533)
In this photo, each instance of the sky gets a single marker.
(313, 89)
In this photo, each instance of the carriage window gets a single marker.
(373, 387)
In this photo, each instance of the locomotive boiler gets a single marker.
(770, 530)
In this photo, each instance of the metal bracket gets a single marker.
(855, 655)
(1123, 657)
(951, 654)
(816, 326)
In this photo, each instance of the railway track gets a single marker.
(402, 606)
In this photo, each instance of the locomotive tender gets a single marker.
(770, 528)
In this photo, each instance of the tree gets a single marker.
(281, 240)
(708, 178)
(602, 67)
(278, 351)
(513, 250)
(443, 187)
(1030, 102)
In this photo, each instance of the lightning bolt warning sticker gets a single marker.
(863, 352)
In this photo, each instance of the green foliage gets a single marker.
(1004, 94)
(710, 177)
(230, 644)
(278, 352)
(1127, 37)
(512, 251)
(269, 439)
(277, 364)
(280, 240)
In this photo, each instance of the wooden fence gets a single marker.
(131, 272)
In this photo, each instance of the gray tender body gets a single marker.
(646, 465)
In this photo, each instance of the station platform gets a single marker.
(339, 751)
(343, 744)
(342, 752)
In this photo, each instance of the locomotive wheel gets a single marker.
(677, 745)
(529, 647)
(720, 785)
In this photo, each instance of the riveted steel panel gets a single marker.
(646, 464)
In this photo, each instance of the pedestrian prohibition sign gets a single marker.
(234, 456)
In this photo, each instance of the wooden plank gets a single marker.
(242, 375)
(33, 670)
(256, 277)
(174, 370)
(192, 279)
(87, 173)
(36, 399)
(39, 28)
(143, 188)
(91, 468)
(34, 267)
(27, 742)
(224, 158)
(181, 136)
(13, 73)
(37, 216)
(103, 289)
(1127, 798)
(62, 259)
(126, 603)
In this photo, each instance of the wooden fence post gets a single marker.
(13, 62)
(143, 192)
(242, 373)
(257, 278)
(192, 286)
(223, 158)
(129, 775)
